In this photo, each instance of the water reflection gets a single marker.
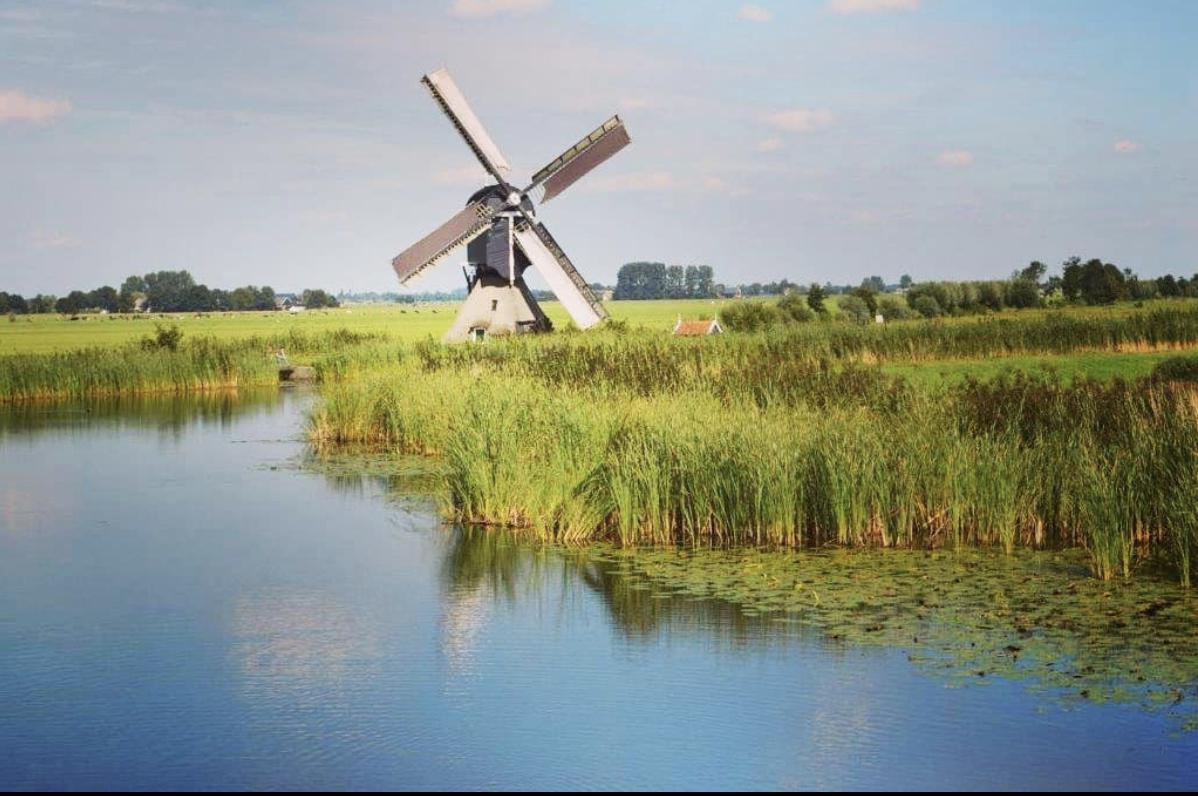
(170, 415)
(504, 566)
(962, 619)
(300, 639)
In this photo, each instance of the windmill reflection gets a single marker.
(486, 566)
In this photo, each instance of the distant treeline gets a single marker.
(375, 297)
(1092, 282)
(1089, 282)
(161, 291)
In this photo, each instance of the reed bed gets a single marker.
(803, 456)
(188, 365)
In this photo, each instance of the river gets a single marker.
(183, 606)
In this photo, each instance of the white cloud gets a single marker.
(868, 6)
(52, 240)
(480, 9)
(17, 106)
(769, 145)
(1126, 145)
(800, 120)
(638, 181)
(755, 13)
(955, 158)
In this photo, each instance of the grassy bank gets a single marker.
(187, 365)
(1108, 343)
(740, 442)
(34, 334)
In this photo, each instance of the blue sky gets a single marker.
(291, 143)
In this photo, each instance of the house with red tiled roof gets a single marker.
(697, 328)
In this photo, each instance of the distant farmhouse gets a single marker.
(697, 328)
(288, 302)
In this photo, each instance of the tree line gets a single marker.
(160, 291)
(645, 280)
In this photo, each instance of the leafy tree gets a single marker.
(265, 298)
(905, 282)
(641, 280)
(990, 295)
(867, 296)
(855, 308)
(42, 304)
(104, 298)
(927, 306)
(1095, 282)
(795, 308)
(1071, 278)
(132, 289)
(815, 298)
(893, 309)
(317, 299)
(675, 282)
(1023, 293)
(169, 291)
(1034, 272)
(1167, 286)
(14, 303)
(72, 303)
(874, 284)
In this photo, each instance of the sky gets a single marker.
(291, 143)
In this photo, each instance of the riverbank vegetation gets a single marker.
(168, 361)
(781, 441)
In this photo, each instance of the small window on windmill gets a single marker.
(494, 304)
(478, 335)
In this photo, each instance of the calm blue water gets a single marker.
(179, 608)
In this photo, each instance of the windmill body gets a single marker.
(501, 235)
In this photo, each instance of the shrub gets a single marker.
(750, 316)
(1176, 369)
(855, 309)
(795, 308)
(165, 338)
(927, 306)
(894, 310)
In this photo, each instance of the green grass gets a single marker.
(47, 333)
(403, 323)
(1101, 365)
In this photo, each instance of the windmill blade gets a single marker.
(564, 280)
(570, 166)
(453, 102)
(464, 227)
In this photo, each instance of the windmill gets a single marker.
(502, 235)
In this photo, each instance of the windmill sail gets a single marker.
(464, 227)
(572, 165)
(453, 102)
(563, 278)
